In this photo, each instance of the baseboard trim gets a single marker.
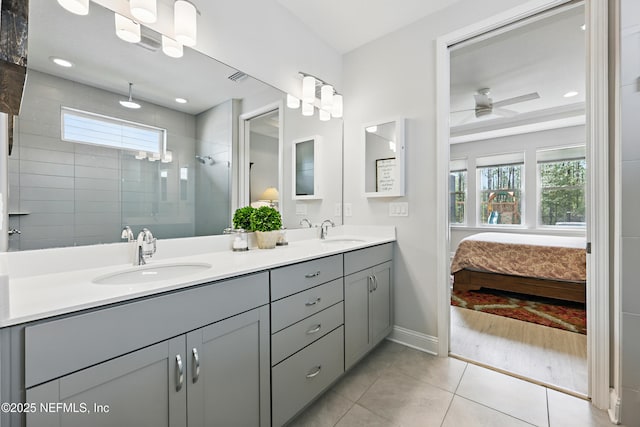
(614, 406)
(413, 339)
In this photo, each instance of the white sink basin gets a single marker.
(150, 273)
(342, 240)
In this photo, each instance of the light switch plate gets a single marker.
(337, 209)
(347, 209)
(399, 209)
(301, 209)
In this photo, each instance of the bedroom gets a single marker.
(517, 175)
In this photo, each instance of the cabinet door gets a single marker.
(229, 372)
(357, 288)
(143, 388)
(380, 303)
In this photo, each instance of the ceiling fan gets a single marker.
(485, 105)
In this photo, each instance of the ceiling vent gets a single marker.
(237, 76)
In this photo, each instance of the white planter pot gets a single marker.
(267, 239)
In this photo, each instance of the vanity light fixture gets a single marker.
(167, 157)
(307, 109)
(144, 10)
(141, 155)
(326, 97)
(185, 22)
(171, 48)
(293, 102)
(154, 157)
(130, 103)
(308, 89)
(127, 29)
(324, 115)
(181, 101)
(570, 94)
(336, 111)
(62, 62)
(79, 7)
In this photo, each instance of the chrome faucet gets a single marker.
(305, 220)
(127, 234)
(324, 228)
(145, 245)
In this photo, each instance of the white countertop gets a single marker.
(39, 284)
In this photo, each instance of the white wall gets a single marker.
(630, 226)
(395, 76)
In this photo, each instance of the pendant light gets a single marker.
(185, 25)
(171, 48)
(308, 90)
(127, 29)
(144, 10)
(130, 103)
(326, 97)
(79, 7)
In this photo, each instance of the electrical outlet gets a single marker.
(347, 209)
(337, 209)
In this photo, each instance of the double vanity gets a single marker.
(205, 338)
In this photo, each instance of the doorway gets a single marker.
(596, 154)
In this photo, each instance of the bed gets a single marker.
(540, 265)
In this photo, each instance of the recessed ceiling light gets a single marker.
(181, 101)
(62, 62)
(570, 94)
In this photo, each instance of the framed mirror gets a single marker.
(384, 158)
(306, 168)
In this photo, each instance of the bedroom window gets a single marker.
(500, 180)
(562, 183)
(457, 191)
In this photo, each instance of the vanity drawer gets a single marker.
(299, 335)
(300, 378)
(364, 258)
(298, 277)
(292, 309)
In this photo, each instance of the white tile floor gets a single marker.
(399, 386)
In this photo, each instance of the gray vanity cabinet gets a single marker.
(228, 372)
(138, 389)
(367, 300)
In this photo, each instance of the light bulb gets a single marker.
(292, 102)
(307, 109)
(324, 115)
(326, 97)
(336, 110)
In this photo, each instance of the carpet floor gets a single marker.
(565, 315)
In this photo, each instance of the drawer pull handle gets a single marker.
(179, 373)
(370, 283)
(315, 329)
(315, 372)
(310, 303)
(196, 365)
(311, 275)
(375, 283)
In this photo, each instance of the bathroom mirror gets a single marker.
(64, 193)
(306, 173)
(384, 158)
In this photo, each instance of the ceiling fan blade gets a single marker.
(504, 112)
(462, 111)
(517, 99)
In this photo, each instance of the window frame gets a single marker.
(460, 166)
(500, 160)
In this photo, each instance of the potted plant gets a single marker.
(266, 222)
(242, 218)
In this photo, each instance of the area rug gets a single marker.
(543, 311)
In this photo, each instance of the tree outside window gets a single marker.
(501, 194)
(562, 192)
(457, 196)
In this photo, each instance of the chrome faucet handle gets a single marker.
(324, 227)
(305, 220)
(146, 244)
(127, 234)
